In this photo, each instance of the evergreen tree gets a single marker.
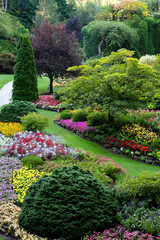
(62, 9)
(25, 77)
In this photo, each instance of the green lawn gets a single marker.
(73, 140)
(43, 83)
(5, 78)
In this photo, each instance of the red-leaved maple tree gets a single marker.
(54, 50)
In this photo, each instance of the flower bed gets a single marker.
(81, 127)
(46, 102)
(10, 128)
(31, 143)
(130, 148)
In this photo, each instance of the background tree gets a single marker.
(10, 31)
(62, 9)
(54, 50)
(25, 77)
(24, 10)
(47, 10)
(74, 26)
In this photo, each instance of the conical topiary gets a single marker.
(25, 76)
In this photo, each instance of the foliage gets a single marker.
(127, 8)
(13, 111)
(139, 133)
(97, 118)
(74, 26)
(54, 50)
(66, 114)
(144, 186)
(110, 82)
(7, 63)
(21, 180)
(34, 121)
(10, 128)
(80, 116)
(25, 77)
(24, 10)
(10, 31)
(155, 145)
(112, 36)
(47, 10)
(86, 204)
(137, 216)
(62, 9)
(104, 169)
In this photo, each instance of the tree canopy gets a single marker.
(54, 50)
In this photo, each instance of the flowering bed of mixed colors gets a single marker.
(80, 127)
(38, 144)
(46, 102)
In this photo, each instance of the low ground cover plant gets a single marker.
(7, 166)
(35, 143)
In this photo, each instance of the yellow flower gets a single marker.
(10, 128)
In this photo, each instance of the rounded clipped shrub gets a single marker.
(34, 121)
(80, 116)
(31, 161)
(13, 111)
(69, 203)
(155, 145)
(66, 114)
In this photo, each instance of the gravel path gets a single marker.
(6, 93)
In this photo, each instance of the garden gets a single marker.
(80, 137)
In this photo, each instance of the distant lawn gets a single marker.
(131, 166)
(43, 82)
(5, 78)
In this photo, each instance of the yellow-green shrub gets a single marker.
(34, 121)
(139, 133)
(22, 179)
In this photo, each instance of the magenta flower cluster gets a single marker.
(76, 126)
(118, 233)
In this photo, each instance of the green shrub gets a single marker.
(143, 187)
(13, 111)
(31, 161)
(65, 114)
(69, 203)
(97, 118)
(7, 63)
(25, 76)
(80, 116)
(155, 145)
(34, 121)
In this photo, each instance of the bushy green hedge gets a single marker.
(13, 111)
(80, 116)
(31, 161)
(69, 203)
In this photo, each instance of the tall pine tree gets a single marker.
(25, 76)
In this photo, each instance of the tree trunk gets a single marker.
(99, 47)
(51, 85)
(5, 9)
(2, 5)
